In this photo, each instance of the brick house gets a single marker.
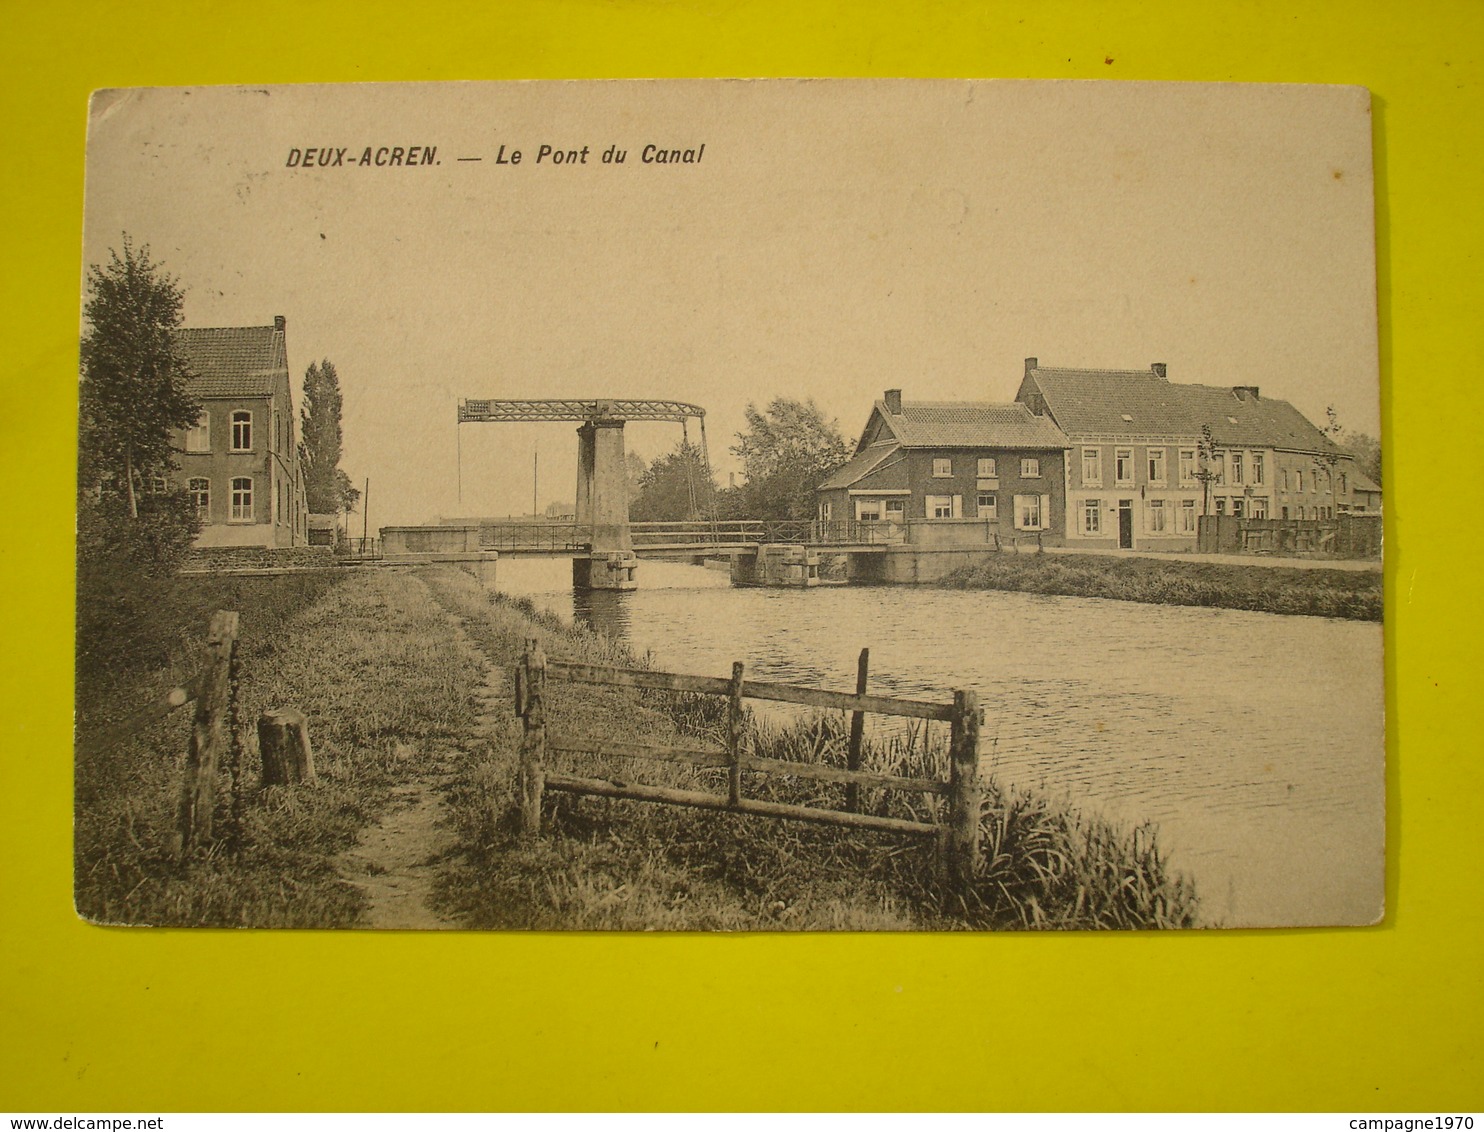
(241, 461)
(1135, 473)
(951, 472)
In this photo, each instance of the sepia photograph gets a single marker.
(730, 505)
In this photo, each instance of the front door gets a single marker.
(1126, 524)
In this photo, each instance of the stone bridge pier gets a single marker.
(603, 509)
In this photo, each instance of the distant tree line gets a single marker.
(787, 451)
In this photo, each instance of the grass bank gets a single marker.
(631, 865)
(366, 655)
(1351, 594)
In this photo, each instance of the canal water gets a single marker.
(1253, 740)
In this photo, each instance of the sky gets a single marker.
(833, 240)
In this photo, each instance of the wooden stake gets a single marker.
(283, 742)
(209, 736)
(533, 747)
(857, 732)
(963, 797)
(734, 736)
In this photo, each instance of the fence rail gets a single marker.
(957, 831)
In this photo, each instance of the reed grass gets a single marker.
(607, 863)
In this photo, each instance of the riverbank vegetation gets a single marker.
(1351, 594)
(390, 685)
(632, 865)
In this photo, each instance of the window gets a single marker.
(1258, 509)
(1344, 484)
(1236, 508)
(868, 510)
(1221, 507)
(1187, 465)
(1298, 477)
(1030, 467)
(1329, 481)
(1284, 478)
(942, 466)
(1285, 512)
(1092, 465)
(1123, 465)
(200, 489)
(825, 508)
(241, 431)
(1218, 466)
(242, 499)
(198, 439)
(1092, 517)
(1259, 472)
(1156, 465)
(896, 510)
(987, 506)
(1155, 511)
(943, 506)
(1238, 474)
(278, 432)
(1028, 512)
(278, 501)
(1187, 516)
(986, 468)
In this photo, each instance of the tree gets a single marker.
(1206, 466)
(327, 488)
(786, 453)
(675, 488)
(134, 390)
(1366, 449)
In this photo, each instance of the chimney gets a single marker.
(1245, 392)
(1030, 364)
(894, 402)
(279, 322)
(1160, 371)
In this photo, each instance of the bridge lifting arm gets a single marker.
(591, 411)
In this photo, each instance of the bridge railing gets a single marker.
(730, 532)
(533, 536)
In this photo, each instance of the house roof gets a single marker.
(860, 465)
(233, 361)
(1359, 481)
(970, 424)
(1105, 402)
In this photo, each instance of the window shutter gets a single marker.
(1018, 517)
(958, 507)
(1045, 512)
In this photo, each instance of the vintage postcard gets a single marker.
(730, 505)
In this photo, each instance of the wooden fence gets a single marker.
(957, 833)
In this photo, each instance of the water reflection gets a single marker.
(1255, 740)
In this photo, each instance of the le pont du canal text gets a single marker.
(421, 156)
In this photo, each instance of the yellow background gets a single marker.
(1387, 1018)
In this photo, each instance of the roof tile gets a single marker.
(233, 361)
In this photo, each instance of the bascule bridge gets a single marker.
(602, 519)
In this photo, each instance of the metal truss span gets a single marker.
(578, 410)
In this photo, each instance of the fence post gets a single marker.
(533, 745)
(734, 736)
(283, 743)
(209, 734)
(857, 733)
(963, 798)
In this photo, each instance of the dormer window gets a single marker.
(1128, 418)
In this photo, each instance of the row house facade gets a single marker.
(1140, 473)
(240, 462)
(952, 472)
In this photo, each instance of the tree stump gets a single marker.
(283, 741)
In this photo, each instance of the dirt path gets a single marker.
(396, 861)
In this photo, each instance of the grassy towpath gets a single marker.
(389, 696)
